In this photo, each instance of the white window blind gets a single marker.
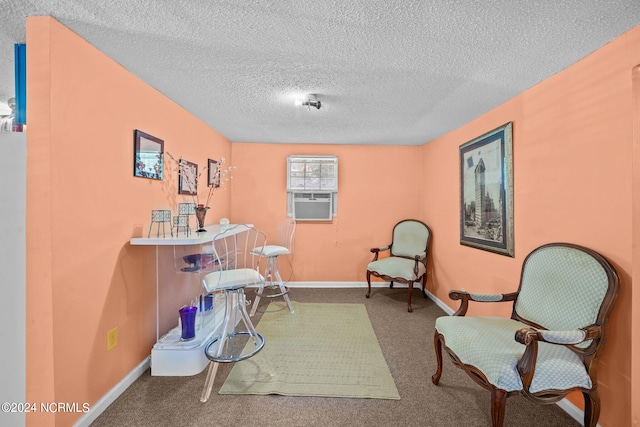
(312, 186)
(312, 173)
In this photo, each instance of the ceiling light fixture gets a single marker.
(310, 101)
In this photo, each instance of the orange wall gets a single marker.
(573, 151)
(635, 302)
(573, 176)
(83, 278)
(377, 187)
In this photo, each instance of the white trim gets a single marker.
(327, 285)
(101, 405)
(444, 307)
(13, 251)
(333, 285)
(573, 411)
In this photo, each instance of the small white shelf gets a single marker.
(171, 356)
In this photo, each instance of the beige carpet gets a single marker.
(325, 350)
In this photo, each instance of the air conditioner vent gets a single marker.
(312, 206)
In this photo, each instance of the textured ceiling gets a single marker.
(386, 71)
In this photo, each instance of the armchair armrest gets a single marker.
(530, 338)
(527, 335)
(376, 251)
(465, 297)
(421, 257)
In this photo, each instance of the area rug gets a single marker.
(327, 350)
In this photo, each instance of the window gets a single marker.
(312, 187)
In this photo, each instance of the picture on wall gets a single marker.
(486, 192)
(188, 183)
(148, 155)
(214, 174)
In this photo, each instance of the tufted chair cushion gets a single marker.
(397, 267)
(488, 344)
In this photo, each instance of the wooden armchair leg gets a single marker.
(438, 346)
(369, 283)
(498, 405)
(409, 298)
(591, 408)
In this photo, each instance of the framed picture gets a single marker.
(188, 183)
(486, 192)
(148, 155)
(214, 174)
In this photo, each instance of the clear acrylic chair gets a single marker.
(270, 288)
(237, 264)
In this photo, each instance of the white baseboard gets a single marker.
(331, 285)
(440, 304)
(573, 411)
(101, 405)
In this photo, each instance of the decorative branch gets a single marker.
(221, 176)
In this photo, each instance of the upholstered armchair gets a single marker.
(551, 344)
(407, 260)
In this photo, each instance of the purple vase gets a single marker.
(188, 322)
(201, 212)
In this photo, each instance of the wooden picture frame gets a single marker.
(148, 156)
(214, 174)
(188, 180)
(486, 192)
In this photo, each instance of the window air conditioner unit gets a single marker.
(312, 206)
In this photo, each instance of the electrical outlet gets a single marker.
(112, 338)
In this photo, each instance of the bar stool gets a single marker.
(286, 232)
(234, 250)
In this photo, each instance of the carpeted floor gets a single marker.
(406, 340)
(311, 353)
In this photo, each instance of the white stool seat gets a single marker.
(231, 279)
(272, 250)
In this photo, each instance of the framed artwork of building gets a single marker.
(486, 192)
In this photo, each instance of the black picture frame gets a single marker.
(188, 179)
(148, 156)
(486, 192)
(214, 174)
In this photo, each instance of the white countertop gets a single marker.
(213, 232)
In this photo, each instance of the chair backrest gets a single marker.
(286, 233)
(410, 238)
(235, 258)
(565, 287)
